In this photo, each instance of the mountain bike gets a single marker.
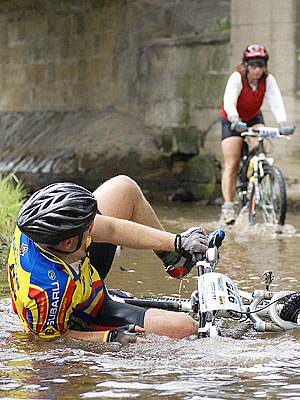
(261, 189)
(217, 298)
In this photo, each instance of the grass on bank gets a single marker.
(12, 196)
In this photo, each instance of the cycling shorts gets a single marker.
(101, 257)
(112, 315)
(228, 132)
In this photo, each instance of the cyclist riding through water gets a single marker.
(245, 91)
(63, 248)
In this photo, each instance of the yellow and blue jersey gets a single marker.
(46, 292)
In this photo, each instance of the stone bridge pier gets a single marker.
(94, 88)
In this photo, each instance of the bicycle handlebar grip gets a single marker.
(287, 129)
(216, 237)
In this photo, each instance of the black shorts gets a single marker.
(115, 313)
(101, 257)
(228, 132)
(112, 315)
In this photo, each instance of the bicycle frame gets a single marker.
(220, 298)
(254, 167)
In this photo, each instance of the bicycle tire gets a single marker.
(252, 206)
(272, 205)
(291, 309)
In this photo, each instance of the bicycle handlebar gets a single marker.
(264, 132)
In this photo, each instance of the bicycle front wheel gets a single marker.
(267, 202)
(291, 309)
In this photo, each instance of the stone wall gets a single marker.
(142, 79)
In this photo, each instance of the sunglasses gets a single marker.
(257, 63)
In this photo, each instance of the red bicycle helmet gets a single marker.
(255, 51)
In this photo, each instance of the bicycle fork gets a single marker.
(207, 326)
(258, 172)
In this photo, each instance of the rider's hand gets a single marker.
(191, 243)
(180, 267)
(124, 334)
(237, 125)
(286, 129)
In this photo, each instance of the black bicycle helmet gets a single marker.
(57, 212)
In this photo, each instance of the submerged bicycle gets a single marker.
(217, 297)
(261, 189)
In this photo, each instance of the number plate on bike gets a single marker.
(218, 292)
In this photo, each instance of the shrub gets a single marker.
(12, 196)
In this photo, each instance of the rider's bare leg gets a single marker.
(231, 148)
(121, 197)
(168, 323)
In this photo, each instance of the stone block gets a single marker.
(180, 141)
(202, 168)
(200, 176)
(80, 94)
(18, 54)
(66, 72)
(42, 97)
(165, 114)
(97, 68)
(35, 74)
(204, 118)
(62, 48)
(242, 12)
(219, 59)
(35, 27)
(11, 31)
(60, 25)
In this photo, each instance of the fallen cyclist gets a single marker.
(63, 248)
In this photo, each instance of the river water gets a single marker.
(242, 366)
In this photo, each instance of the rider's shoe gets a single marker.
(228, 214)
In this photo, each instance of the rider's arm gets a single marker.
(231, 94)
(130, 234)
(90, 336)
(119, 335)
(274, 98)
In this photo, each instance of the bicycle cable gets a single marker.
(262, 308)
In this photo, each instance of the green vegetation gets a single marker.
(12, 196)
(222, 25)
